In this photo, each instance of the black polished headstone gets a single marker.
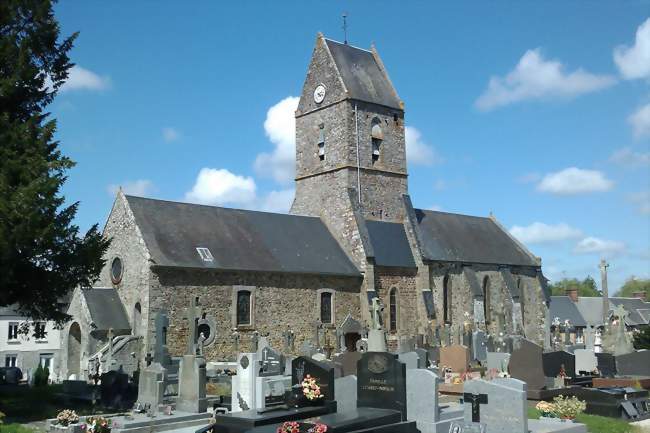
(606, 364)
(272, 362)
(381, 382)
(625, 403)
(634, 364)
(553, 362)
(526, 363)
(323, 373)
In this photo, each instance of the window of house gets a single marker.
(486, 299)
(39, 331)
(10, 360)
(244, 307)
(46, 360)
(326, 308)
(13, 331)
(446, 299)
(321, 142)
(392, 310)
(377, 136)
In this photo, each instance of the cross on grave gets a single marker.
(255, 338)
(109, 360)
(289, 339)
(235, 340)
(193, 313)
(317, 327)
(477, 400)
(148, 359)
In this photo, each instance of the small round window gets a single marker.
(116, 270)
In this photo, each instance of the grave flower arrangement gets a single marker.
(310, 388)
(97, 424)
(67, 417)
(289, 427)
(545, 409)
(301, 427)
(568, 408)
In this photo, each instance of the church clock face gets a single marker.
(319, 93)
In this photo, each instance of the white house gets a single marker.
(40, 345)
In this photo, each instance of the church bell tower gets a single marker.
(350, 149)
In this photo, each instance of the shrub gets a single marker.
(41, 376)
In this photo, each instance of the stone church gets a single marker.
(352, 235)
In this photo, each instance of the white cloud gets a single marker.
(140, 188)
(629, 158)
(280, 127)
(277, 201)
(640, 121)
(574, 180)
(220, 186)
(642, 200)
(417, 151)
(634, 62)
(82, 79)
(435, 207)
(537, 78)
(593, 245)
(538, 232)
(170, 134)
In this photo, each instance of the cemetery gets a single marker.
(355, 312)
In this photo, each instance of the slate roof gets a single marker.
(238, 239)
(589, 310)
(462, 238)
(363, 77)
(106, 309)
(564, 308)
(390, 244)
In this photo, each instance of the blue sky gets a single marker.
(537, 112)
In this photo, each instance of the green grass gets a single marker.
(596, 424)
(14, 428)
(24, 404)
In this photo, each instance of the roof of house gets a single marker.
(462, 238)
(588, 310)
(563, 308)
(363, 76)
(106, 309)
(390, 244)
(240, 240)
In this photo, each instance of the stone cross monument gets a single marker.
(192, 374)
(603, 278)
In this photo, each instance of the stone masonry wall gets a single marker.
(407, 300)
(279, 301)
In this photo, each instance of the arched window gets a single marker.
(137, 318)
(522, 302)
(392, 310)
(446, 299)
(377, 136)
(486, 299)
(244, 307)
(326, 316)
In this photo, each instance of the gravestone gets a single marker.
(406, 344)
(115, 390)
(422, 403)
(606, 364)
(526, 363)
(308, 349)
(500, 404)
(160, 353)
(589, 337)
(434, 355)
(348, 362)
(498, 361)
(345, 393)
(479, 346)
(319, 357)
(244, 382)
(455, 357)
(410, 359)
(423, 358)
(324, 375)
(192, 374)
(586, 360)
(262, 343)
(382, 382)
(271, 362)
(554, 361)
(634, 364)
(151, 385)
(270, 391)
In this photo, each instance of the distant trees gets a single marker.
(633, 285)
(42, 254)
(586, 287)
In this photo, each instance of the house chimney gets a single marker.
(572, 293)
(639, 295)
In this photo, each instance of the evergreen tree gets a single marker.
(42, 254)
